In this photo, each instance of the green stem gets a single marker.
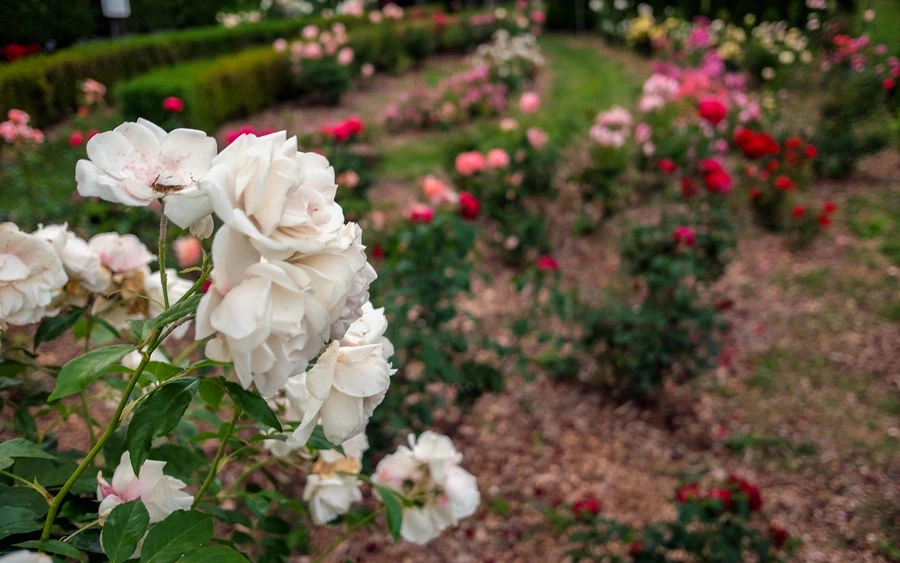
(214, 468)
(340, 539)
(89, 326)
(163, 231)
(107, 434)
(43, 492)
(87, 417)
(187, 351)
(249, 471)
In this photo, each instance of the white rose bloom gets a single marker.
(282, 199)
(121, 253)
(370, 329)
(31, 276)
(161, 494)
(176, 288)
(354, 448)
(263, 316)
(138, 162)
(25, 557)
(80, 262)
(330, 496)
(133, 359)
(450, 492)
(340, 384)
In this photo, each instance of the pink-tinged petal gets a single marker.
(185, 157)
(144, 144)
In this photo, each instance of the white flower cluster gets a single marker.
(787, 43)
(428, 473)
(510, 56)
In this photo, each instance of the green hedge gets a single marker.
(44, 21)
(234, 86)
(47, 87)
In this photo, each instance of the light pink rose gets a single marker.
(188, 251)
(642, 133)
(497, 158)
(345, 56)
(537, 138)
(529, 102)
(280, 45)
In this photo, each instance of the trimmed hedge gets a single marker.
(229, 87)
(48, 87)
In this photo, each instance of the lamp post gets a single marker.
(117, 11)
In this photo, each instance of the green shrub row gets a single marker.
(48, 87)
(230, 87)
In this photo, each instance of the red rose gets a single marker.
(688, 187)
(688, 493)
(784, 183)
(754, 497)
(756, 145)
(355, 125)
(76, 139)
(798, 211)
(173, 104)
(377, 252)
(718, 181)
(811, 152)
(421, 213)
(205, 287)
(635, 548)
(755, 193)
(772, 165)
(684, 235)
(779, 536)
(889, 84)
(793, 143)
(547, 263)
(14, 52)
(824, 220)
(712, 110)
(723, 496)
(440, 19)
(468, 205)
(667, 166)
(829, 207)
(589, 505)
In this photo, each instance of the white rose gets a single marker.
(331, 496)
(31, 276)
(282, 199)
(176, 288)
(340, 383)
(25, 557)
(370, 329)
(262, 315)
(80, 262)
(161, 494)
(138, 162)
(436, 451)
(121, 253)
(354, 448)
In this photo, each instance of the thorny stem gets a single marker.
(107, 434)
(214, 468)
(163, 231)
(340, 539)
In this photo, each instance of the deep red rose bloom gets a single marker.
(722, 495)
(684, 235)
(755, 193)
(811, 152)
(784, 183)
(793, 143)
(889, 84)
(779, 536)
(754, 497)
(173, 104)
(76, 139)
(687, 493)
(377, 252)
(829, 207)
(354, 124)
(756, 145)
(718, 181)
(635, 548)
(14, 52)
(712, 110)
(772, 165)
(422, 214)
(798, 211)
(589, 505)
(548, 263)
(468, 205)
(688, 187)
(667, 166)
(824, 220)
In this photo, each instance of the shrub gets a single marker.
(47, 87)
(721, 525)
(44, 21)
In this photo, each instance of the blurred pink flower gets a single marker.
(529, 102)
(187, 250)
(497, 158)
(469, 163)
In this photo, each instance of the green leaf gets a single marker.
(394, 511)
(212, 392)
(79, 373)
(255, 406)
(175, 312)
(162, 371)
(179, 533)
(318, 441)
(11, 368)
(19, 447)
(15, 520)
(124, 528)
(54, 327)
(157, 416)
(215, 554)
(52, 546)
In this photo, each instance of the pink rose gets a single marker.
(537, 138)
(642, 133)
(280, 45)
(173, 104)
(18, 117)
(187, 250)
(529, 102)
(345, 56)
(497, 158)
(469, 163)
(437, 191)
